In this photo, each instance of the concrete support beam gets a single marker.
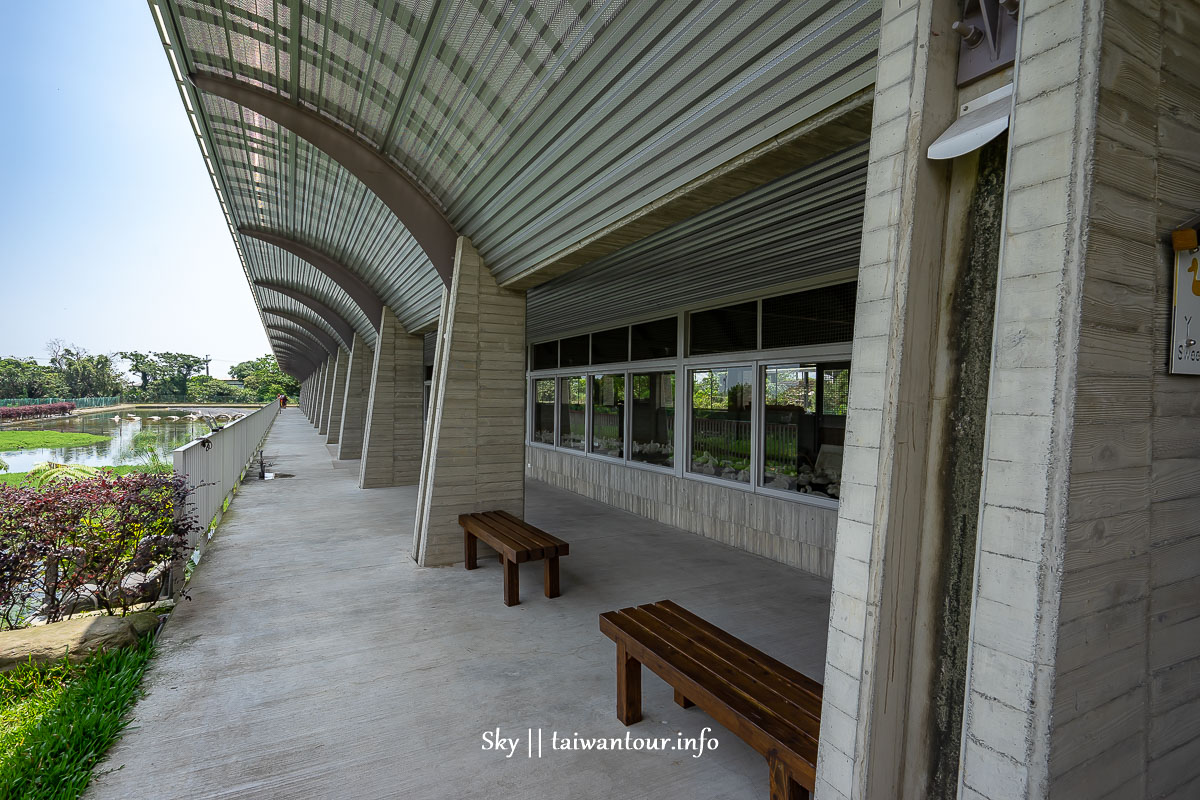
(322, 421)
(354, 406)
(337, 395)
(473, 453)
(312, 382)
(391, 447)
(879, 640)
(420, 214)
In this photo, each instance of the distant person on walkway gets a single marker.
(282, 401)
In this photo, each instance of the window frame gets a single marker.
(531, 419)
(682, 364)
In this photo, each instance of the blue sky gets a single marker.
(111, 236)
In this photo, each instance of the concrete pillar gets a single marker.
(1080, 682)
(354, 405)
(876, 651)
(391, 449)
(473, 453)
(309, 391)
(332, 426)
(322, 422)
(1076, 683)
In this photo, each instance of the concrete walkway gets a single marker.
(315, 659)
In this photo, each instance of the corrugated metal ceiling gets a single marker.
(803, 226)
(533, 124)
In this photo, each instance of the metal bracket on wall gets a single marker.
(989, 38)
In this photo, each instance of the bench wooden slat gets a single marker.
(766, 732)
(509, 548)
(547, 540)
(518, 542)
(522, 533)
(793, 675)
(514, 549)
(748, 661)
(770, 693)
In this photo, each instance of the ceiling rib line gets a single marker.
(341, 328)
(287, 346)
(311, 345)
(412, 206)
(360, 292)
(314, 331)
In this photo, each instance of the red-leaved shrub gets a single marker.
(29, 412)
(103, 542)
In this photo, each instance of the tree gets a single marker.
(141, 364)
(174, 369)
(162, 372)
(83, 374)
(206, 389)
(264, 378)
(24, 377)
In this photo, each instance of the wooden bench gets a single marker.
(516, 541)
(770, 706)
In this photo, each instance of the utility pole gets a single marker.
(207, 358)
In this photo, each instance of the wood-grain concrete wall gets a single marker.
(1126, 711)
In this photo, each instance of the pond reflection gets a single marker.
(139, 432)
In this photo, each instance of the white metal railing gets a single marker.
(215, 464)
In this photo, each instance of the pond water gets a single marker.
(129, 439)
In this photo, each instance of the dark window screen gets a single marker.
(573, 352)
(819, 316)
(655, 339)
(610, 346)
(545, 355)
(725, 330)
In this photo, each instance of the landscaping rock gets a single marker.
(76, 638)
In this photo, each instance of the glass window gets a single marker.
(543, 410)
(720, 444)
(818, 316)
(804, 427)
(653, 418)
(654, 339)
(608, 415)
(572, 412)
(609, 347)
(724, 330)
(573, 352)
(545, 355)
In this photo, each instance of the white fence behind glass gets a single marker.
(215, 464)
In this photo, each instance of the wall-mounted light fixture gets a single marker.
(989, 38)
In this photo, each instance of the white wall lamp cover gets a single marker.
(979, 121)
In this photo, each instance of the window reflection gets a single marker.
(543, 411)
(721, 426)
(653, 434)
(572, 412)
(804, 428)
(608, 415)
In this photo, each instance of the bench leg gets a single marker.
(470, 550)
(512, 577)
(551, 575)
(782, 785)
(629, 687)
(682, 701)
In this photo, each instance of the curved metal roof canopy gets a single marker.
(526, 126)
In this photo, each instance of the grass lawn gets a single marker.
(14, 478)
(57, 721)
(32, 440)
